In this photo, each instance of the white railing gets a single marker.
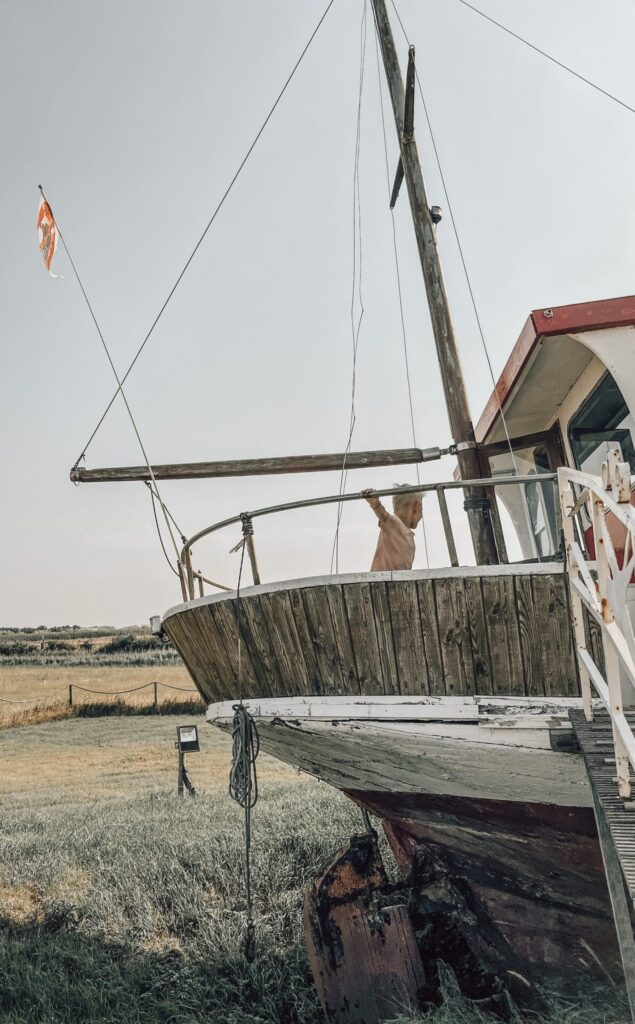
(601, 508)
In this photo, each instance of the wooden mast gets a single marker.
(476, 499)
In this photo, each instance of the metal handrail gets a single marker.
(187, 573)
(603, 593)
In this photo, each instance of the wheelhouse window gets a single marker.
(531, 506)
(603, 419)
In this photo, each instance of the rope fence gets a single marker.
(110, 693)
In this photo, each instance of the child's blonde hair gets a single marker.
(400, 500)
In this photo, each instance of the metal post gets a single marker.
(156, 696)
(447, 527)
(248, 534)
(566, 504)
(476, 500)
(70, 695)
(181, 768)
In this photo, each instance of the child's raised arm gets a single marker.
(375, 504)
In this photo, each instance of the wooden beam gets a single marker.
(260, 467)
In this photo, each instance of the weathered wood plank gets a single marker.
(225, 661)
(207, 650)
(385, 643)
(529, 638)
(310, 644)
(224, 615)
(286, 642)
(504, 638)
(265, 660)
(208, 685)
(478, 636)
(554, 628)
(454, 632)
(410, 654)
(430, 634)
(319, 624)
(343, 642)
(361, 620)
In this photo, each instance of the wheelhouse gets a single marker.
(564, 398)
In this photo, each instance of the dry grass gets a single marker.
(120, 903)
(111, 757)
(26, 682)
(48, 686)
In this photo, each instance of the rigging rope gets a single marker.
(243, 779)
(554, 60)
(116, 375)
(208, 226)
(159, 534)
(399, 292)
(356, 281)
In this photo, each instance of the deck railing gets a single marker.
(599, 531)
(193, 580)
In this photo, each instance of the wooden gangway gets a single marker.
(615, 819)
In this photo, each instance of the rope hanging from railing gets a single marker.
(243, 778)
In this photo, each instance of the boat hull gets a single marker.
(478, 785)
(535, 869)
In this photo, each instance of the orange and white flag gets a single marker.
(47, 234)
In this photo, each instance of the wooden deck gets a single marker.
(486, 630)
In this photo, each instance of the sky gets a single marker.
(134, 118)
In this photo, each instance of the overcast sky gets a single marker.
(134, 117)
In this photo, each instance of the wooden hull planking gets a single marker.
(488, 629)
(509, 814)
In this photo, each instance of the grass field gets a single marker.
(41, 693)
(120, 903)
(41, 682)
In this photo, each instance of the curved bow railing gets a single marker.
(192, 578)
(599, 531)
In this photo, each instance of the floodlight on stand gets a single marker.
(187, 738)
(156, 628)
(186, 743)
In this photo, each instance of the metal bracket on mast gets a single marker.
(408, 122)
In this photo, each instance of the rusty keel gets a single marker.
(363, 952)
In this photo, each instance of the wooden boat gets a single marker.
(438, 699)
(441, 700)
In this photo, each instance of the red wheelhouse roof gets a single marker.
(547, 323)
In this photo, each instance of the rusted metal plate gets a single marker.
(363, 953)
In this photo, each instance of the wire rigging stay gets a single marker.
(554, 60)
(356, 285)
(116, 376)
(207, 227)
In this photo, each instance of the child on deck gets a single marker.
(396, 544)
